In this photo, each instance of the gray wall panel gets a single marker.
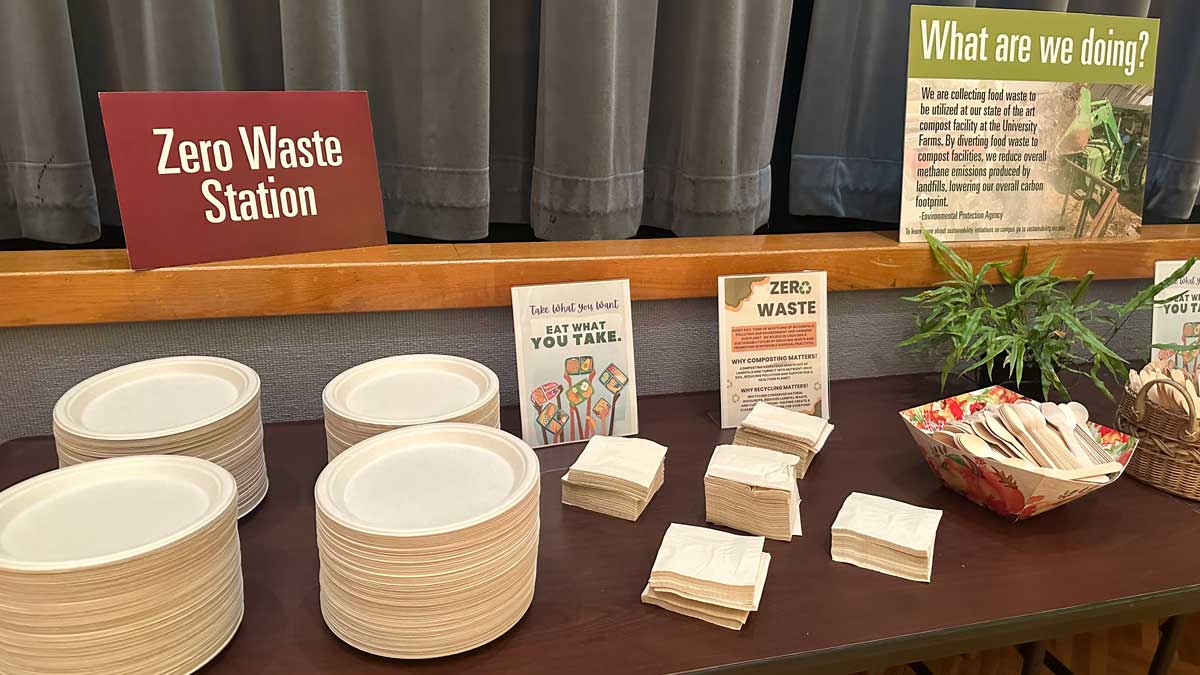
(676, 344)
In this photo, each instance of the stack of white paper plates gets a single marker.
(198, 406)
(428, 539)
(126, 566)
(404, 391)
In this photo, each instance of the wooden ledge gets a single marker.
(82, 287)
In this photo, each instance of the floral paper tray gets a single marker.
(1010, 491)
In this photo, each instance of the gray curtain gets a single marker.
(846, 152)
(585, 118)
(46, 187)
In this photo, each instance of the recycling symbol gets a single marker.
(805, 287)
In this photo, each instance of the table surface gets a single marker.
(1121, 548)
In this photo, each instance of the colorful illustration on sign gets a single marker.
(565, 333)
(1175, 334)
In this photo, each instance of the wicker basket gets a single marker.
(1168, 454)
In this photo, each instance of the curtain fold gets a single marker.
(584, 118)
(593, 102)
(846, 152)
(718, 71)
(1173, 172)
(425, 66)
(46, 186)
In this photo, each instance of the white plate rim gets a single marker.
(330, 400)
(245, 397)
(523, 485)
(226, 498)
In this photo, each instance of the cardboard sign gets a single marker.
(773, 343)
(206, 176)
(1177, 323)
(1026, 124)
(575, 361)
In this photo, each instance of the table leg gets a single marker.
(1168, 640)
(1034, 654)
(1056, 665)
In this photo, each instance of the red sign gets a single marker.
(204, 176)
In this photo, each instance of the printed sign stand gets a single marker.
(221, 175)
(1025, 124)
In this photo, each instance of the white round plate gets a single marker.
(108, 510)
(158, 397)
(426, 480)
(411, 389)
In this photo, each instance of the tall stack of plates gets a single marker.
(126, 566)
(428, 539)
(198, 406)
(404, 391)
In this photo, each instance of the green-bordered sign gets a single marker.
(1026, 124)
(1004, 44)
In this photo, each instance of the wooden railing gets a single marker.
(81, 287)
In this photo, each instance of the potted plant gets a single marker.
(1026, 334)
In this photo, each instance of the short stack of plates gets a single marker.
(198, 406)
(126, 566)
(404, 391)
(428, 539)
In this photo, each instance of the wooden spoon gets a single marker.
(979, 426)
(1192, 392)
(944, 437)
(1084, 434)
(1011, 415)
(996, 425)
(1096, 473)
(1181, 380)
(976, 446)
(1036, 426)
(1064, 424)
(1078, 411)
(1135, 381)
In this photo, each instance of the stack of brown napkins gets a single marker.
(886, 536)
(615, 476)
(708, 575)
(776, 428)
(753, 490)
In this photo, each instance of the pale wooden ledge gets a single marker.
(81, 287)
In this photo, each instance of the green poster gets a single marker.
(1025, 124)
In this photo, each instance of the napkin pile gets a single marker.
(708, 575)
(776, 428)
(886, 536)
(753, 490)
(615, 476)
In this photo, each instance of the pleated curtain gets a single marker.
(584, 118)
(847, 150)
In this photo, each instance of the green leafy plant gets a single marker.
(1041, 322)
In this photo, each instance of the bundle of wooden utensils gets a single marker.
(1048, 438)
(1184, 399)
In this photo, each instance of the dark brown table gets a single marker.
(1124, 554)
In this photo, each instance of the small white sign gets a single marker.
(575, 361)
(773, 343)
(1177, 322)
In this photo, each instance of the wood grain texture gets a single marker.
(81, 287)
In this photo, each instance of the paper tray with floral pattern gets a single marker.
(1010, 491)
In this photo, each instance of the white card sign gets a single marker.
(575, 361)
